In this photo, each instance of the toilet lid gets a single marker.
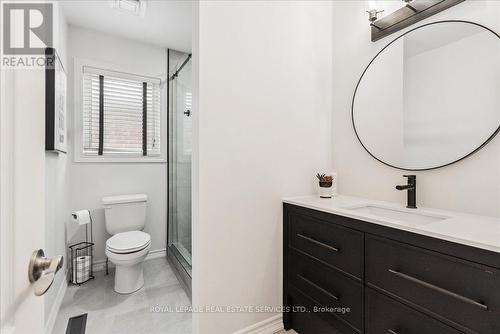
(127, 242)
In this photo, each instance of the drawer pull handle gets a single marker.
(319, 243)
(326, 292)
(390, 331)
(439, 289)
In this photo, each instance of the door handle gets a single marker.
(42, 270)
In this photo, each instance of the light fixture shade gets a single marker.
(136, 7)
(373, 14)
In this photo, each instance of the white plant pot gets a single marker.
(325, 192)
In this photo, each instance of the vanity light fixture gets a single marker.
(373, 14)
(412, 12)
(408, 2)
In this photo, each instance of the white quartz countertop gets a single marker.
(472, 230)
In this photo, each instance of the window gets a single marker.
(121, 114)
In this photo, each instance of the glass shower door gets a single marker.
(179, 182)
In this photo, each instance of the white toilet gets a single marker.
(125, 218)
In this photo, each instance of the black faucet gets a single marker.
(412, 191)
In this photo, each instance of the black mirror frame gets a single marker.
(368, 66)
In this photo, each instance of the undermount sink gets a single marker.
(402, 215)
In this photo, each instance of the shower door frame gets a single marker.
(174, 257)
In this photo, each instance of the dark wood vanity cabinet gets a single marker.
(344, 276)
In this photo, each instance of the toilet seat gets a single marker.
(128, 242)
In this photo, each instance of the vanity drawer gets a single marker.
(305, 318)
(327, 287)
(338, 246)
(387, 316)
(465, 293)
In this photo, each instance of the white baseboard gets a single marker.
(100, 265)
(51, 320)
(157, 253)
(271, 325)
(7, 329)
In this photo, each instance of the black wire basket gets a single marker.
(81, 255)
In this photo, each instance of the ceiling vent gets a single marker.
(136, 7)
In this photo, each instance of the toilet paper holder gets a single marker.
(42, 270)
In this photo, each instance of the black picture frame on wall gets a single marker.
(56, 134)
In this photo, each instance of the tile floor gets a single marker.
(109, 312)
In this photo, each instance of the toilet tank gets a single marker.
(125, 213)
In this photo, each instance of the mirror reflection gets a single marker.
(431, 97)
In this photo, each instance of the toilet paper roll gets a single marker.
(81, 217)
(81, 269)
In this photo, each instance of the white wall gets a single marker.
(90, 182)
(262, 131)
(57, 181)
(472, 185)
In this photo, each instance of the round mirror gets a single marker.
(431, 97)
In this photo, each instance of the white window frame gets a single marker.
(79, 155)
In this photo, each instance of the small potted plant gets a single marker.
(325, 185)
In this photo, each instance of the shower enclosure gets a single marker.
(179, 164)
